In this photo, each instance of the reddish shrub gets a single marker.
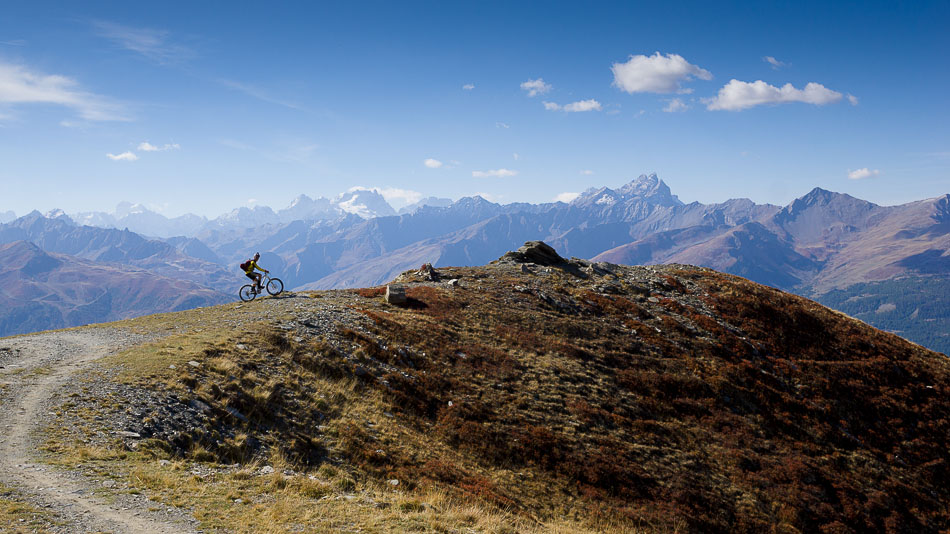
(371, 292)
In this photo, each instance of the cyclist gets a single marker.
(249, 267)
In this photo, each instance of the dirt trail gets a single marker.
(33, 367)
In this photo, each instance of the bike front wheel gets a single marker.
(275, 286)
(247, 293)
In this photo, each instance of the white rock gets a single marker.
(393, 482)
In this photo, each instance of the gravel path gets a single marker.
(32, 368)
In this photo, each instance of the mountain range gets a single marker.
(41, 291)
(362, 202)
(822, 245)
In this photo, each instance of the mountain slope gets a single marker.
(821, 241)
(40, 291)
(657, 399)
(597, 220)
(61, 235)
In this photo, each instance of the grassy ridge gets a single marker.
(664, 399)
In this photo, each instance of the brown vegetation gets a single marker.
(667, 399)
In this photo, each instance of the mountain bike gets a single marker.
(274, 287)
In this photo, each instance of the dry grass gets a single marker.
(686, 402)
(320, 495)
(244, 501)
(18, 517)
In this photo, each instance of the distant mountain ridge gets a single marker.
(40, 291)
(362, 202)
(61, 235)
(820, 242)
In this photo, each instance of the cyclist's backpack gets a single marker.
(245, 265)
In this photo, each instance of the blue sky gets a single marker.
(204, 106)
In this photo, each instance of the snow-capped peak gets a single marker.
(367, 203)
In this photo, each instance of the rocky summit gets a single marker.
(533, 394)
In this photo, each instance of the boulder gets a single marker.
(396, 294)
(537, 252)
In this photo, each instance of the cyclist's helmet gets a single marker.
(257, 256)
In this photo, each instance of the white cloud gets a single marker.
(583, 105)
(587, 172)
(737, 95)
(145, 146)
(494, 173)
(21, 86)
(566, 197)
(675, 105)
(432, 163)
(468, 86)
(399, 197)
(516, 155)
(125, 156)
(863, 173)
(573, 107)
(852, 99)
(536, 87)
(776, 64)
(502, 125)
(148, 42)
(656, 73)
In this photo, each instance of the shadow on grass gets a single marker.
(413, 304)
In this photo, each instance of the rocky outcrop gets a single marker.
(537, 252)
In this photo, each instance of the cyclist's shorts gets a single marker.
(252, 276)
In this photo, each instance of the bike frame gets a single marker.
(253, 289)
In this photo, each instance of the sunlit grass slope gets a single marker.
(576, 398)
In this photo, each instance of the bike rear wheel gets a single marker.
(247, 293)
(275, 286)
